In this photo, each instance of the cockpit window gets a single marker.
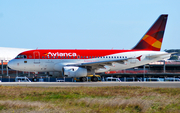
(21, 57)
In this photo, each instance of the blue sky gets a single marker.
(88, 24)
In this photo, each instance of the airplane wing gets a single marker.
(101, 63)
(107, 62)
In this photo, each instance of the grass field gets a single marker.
(89, 99)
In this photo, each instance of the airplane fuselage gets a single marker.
(55, 60)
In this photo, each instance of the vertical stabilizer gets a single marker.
(152, 40)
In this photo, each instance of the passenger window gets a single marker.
(114, 56)
(45, 57)
(87, 56)
(57, 57)
(69, 56)
(117, 57)
(42, 56)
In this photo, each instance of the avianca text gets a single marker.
(61, 54)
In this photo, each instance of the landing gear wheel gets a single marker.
(94, 79)
(83, 79)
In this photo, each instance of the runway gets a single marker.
(93, 84)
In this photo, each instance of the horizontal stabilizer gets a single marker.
(156, 56)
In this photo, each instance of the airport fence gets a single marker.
(36, 79)
(122, 79)
(142, 71)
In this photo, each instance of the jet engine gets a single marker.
(72, 71)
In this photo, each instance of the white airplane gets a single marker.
(82, 62)
(8, 54)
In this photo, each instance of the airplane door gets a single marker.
(36, 57)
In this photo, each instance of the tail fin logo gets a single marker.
(152, 40)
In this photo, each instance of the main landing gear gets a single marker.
(83, 79)
(94, 79)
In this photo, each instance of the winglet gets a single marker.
(152, 40)
(139, 58)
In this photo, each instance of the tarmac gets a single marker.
(93, 84)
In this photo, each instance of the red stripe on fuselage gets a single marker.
(71, 52)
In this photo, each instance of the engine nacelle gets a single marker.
(58, 67)
(72, 71)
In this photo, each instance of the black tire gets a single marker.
(94, 79)
(83, 79)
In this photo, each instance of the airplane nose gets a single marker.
(11, 64)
